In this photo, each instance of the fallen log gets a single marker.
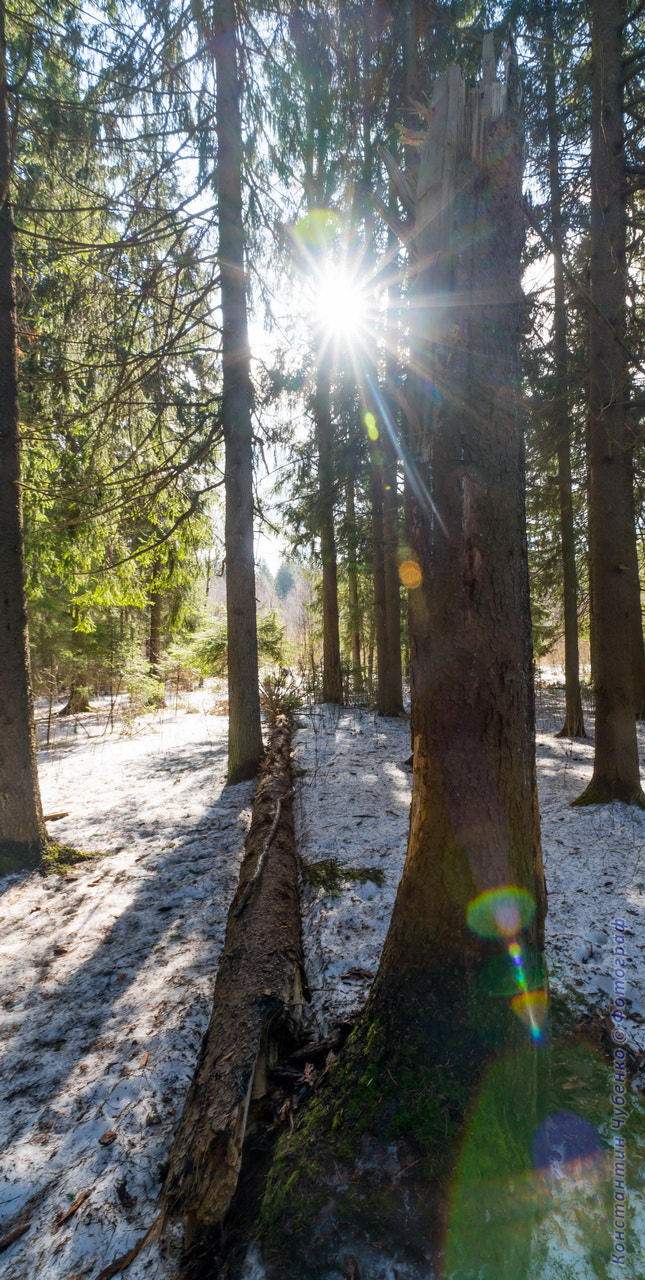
(258, 995)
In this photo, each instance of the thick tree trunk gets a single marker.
(616, 771)
(22, 831)
(573, 726)
(332, 675)
(459, 1002)
(245, 747)
(355, 620)
(474, 812)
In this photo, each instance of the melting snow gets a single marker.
(108, 971)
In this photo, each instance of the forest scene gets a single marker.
(322, 664)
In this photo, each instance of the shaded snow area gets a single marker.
(594, 860)
(108, 971)
(107, 981)
(352, 805)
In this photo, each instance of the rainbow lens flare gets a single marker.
(532, 1008)
(501, 913)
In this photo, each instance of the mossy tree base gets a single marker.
(78, 702)
(19, 855)
(605, 791)
(45, 856)
(366, 1172)
(387, 1172)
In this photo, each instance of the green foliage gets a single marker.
(279, 695)
(144, 689)
(284, 581)
(211, 646)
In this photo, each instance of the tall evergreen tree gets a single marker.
(22, 831)
(616, 773)
(245, 734)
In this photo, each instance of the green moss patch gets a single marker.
(62, 857)
(331, 875)
(395, 1145)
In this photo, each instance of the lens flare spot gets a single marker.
(370, 425)
(317, 229)
(502, 912)
(515, 951)
(532, 1007)
(565, 1143)
(410, 574)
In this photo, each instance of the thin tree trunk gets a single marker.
(378, 574)
(616, 771)
(382, 458)
(352, 581)
(154, 637)
(332, 675)
(22, 831)
(393, 693)
(573, 726)
(158, 698)
(245, 747)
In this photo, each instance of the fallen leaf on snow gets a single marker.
(108, 1138)
(80, 1199)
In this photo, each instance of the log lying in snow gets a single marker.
(259, 988)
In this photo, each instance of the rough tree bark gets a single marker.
(244, 735)
(474, 813)
(448, 1015)
(616, 771)
(258, 990)
(573, 726)
(22, 831)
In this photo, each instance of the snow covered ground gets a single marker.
(107, 980)
(108, 971)
(353, 804)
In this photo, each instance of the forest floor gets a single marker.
(108, 968)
